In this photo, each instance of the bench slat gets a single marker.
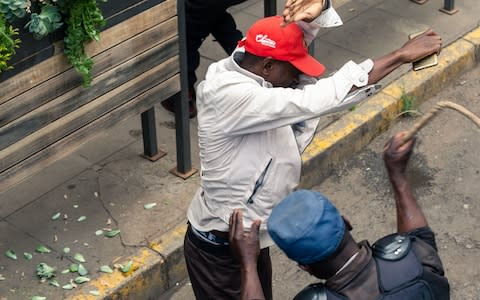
(65, 146)
(86, 114)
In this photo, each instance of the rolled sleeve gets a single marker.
(351, 74)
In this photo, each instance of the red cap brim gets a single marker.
(309, 66)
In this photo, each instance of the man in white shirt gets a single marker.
(257, 112)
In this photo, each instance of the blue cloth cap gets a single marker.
(306, 226)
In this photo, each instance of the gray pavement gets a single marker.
(108, 182)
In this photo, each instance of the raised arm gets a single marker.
(425, 44)
(409, 214)
(246, 248)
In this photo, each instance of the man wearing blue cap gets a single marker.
(310, 230)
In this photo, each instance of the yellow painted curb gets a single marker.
(154, 270)
(356, 129)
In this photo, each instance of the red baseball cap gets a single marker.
(267, 38)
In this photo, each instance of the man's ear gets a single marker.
(306, 268)
(267, 66)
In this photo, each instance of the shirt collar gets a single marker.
(232, 65)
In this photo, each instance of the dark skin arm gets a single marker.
(246, 248)
(409, 214)
(423, 45)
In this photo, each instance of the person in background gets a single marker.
(202, 18)
(401, 266)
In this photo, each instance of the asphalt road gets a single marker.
(445, 173)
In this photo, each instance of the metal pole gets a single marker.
(182, 130)
(149, 133)
(269, 8)
(449, 7)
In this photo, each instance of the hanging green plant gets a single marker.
(8, 43)
(83, 24)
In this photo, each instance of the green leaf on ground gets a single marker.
(65, 271)
(98, 232)
(81, 279)
(127, 267)
(94, 292)
(27, 256)
(81, 218)
(42, 249)
(106, 269)
(78, 257)
(56, 216)
(54, 283)
(45, 271)
(82, 271)
(112, 233)
(66, 250)
(74, 268)
(11, 254)
(150, 205)
(68, 287)
(39, 298)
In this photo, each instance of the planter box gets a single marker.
(32, 51)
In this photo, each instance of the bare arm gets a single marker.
(246, 248)
(409, 214)
(425, 44)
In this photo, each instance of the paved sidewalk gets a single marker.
(109, 183)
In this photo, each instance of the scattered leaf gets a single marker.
(65, 216)
(28, 256)
(81, 218)
(42, 249)
(75, 206)
(78, 257)
(66, 250)
(98, 232)
(109, 221)
(66, 271)
(81, 279)
(74, 268)
(39, 298)
(112, 233)
(2, 278)
(11, 254)
(95, 194)
(106, 269)
(56, 216)
(150, 205)
(94, 292)
(127, 267)
(55, 238)
(65, 196)
(82, 271)
(45, 271)
(68, 287)
(54, 283)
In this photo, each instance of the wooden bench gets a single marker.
(46, 113)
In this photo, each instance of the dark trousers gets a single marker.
(204, 17)
(215, 274)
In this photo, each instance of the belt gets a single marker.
(204, 244)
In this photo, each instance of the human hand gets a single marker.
(396, 155)
(245, 245)
(302, 10)
(421, 46)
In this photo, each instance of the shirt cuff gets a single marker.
(351, 74)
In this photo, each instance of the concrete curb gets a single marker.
(159, 267)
